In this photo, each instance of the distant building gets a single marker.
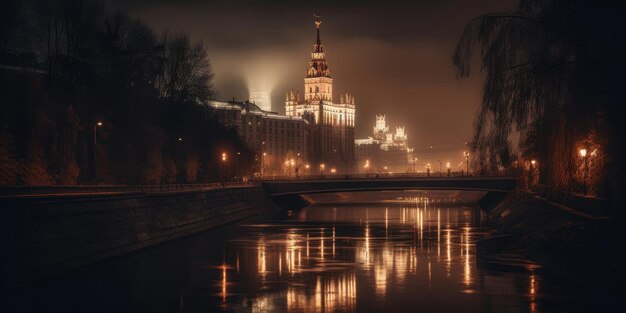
(262, 99)
(331, 123)
(384, 151)
(281, 141)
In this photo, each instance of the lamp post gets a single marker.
(224, 158)
(583, 154)
(298, 165)
(322, 166)
(263, 158)
(95, 149)
(366, 166)
(428, 170)
(532, 171)
(262, 163)
(237, 165)
(466, 154)
(440, 168)
(414, 162)
(449, 168)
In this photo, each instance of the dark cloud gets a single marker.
(394, 56)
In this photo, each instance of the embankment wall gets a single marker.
(48, 235)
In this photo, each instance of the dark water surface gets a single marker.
(412, 257)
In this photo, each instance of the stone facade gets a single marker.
(50, 235)
(331, 122)
(281, 142)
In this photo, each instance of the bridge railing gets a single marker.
(109, 189)
(104, 189)
(372, 176)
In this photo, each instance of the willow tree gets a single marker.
(551, 76)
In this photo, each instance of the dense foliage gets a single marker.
(67, 65)
(554, 83)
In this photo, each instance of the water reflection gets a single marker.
(348, 259)
(224, 284)
(415, 256)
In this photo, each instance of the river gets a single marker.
(417, 255)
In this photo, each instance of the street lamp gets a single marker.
(333, 170)
(297, 167)
(532, 171)
(237, 165)
(322, 166)
(440, 168)
(95, 149)
(414, 162)
(448, 166)
(466, 154)
(428, 170)
(262, 163)
(224, 158)
(263, 158)
(583, 154)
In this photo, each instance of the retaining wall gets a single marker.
(44, 236)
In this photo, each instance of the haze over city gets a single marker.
(394, 58)
(312, 156)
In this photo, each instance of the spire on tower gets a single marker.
(318, 22)
(318, 44)
(317, 66)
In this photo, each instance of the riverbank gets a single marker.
(47, 235)
(580, 250)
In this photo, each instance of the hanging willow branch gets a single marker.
(534, 63)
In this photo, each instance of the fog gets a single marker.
(394, 57)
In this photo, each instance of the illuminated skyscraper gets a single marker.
(332, 123)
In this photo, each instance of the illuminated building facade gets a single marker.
(384, 151)
(280, 141)
(261, 99)
(332, 123)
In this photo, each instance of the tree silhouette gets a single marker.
(551, 77)
(89, 64)
(186, 73)
(9, 166)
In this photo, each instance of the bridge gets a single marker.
(308, 186)
(294, 187)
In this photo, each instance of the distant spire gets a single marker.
(318, 22)
(317, 65)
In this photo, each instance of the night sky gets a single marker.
(395, 57)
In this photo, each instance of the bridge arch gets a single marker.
(287, 192)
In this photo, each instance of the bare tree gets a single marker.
(9, 16)
(186, 72)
